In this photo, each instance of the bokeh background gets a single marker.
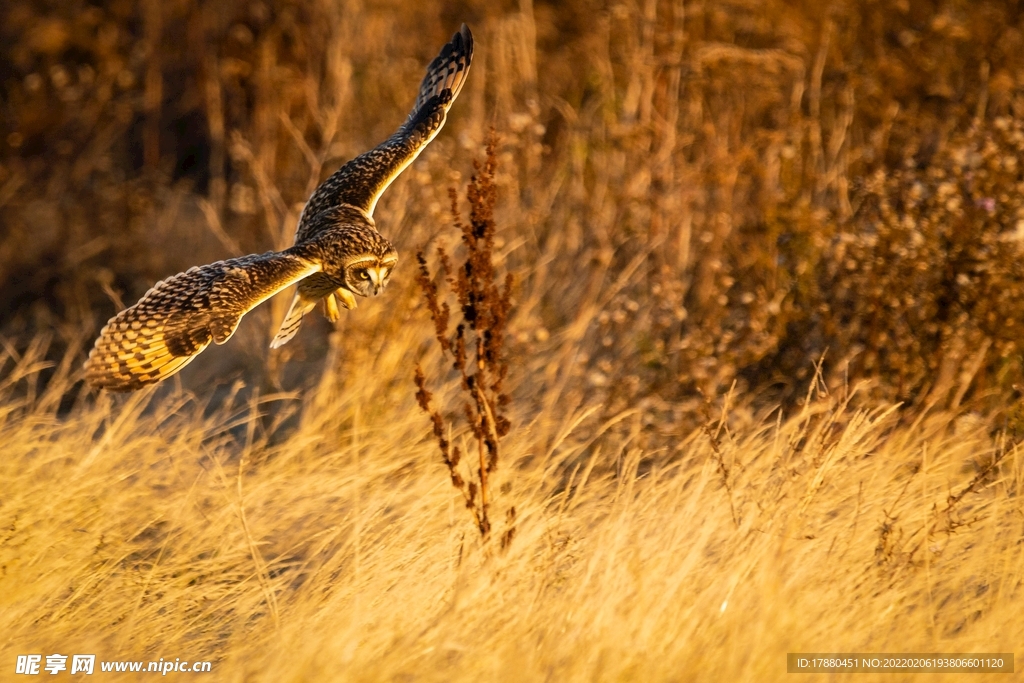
(765, 370)
(743, 189)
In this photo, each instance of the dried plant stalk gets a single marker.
(475, 345)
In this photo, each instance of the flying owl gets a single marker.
(338, 253)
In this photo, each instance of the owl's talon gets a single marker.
(331, 308)
(345, 298)
(336, 241)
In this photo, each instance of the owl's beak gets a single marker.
(376, 279)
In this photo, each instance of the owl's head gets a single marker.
(368, 274)
(360, 259)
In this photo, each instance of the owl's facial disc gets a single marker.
(370, 277)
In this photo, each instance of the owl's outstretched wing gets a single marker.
(361, 182)
(179, 317)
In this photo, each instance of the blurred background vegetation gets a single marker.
(692, 194)
(709, 208)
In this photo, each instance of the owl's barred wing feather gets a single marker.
(361, 181)
(447, 72)
(179, 317)
(336, 243)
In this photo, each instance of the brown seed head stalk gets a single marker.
(476, 344)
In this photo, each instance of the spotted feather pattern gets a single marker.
(361, 181)
(179, 317)
(356, 240)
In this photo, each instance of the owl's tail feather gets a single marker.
(290, 325)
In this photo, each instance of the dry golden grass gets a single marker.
(142, 528)
(692, 196)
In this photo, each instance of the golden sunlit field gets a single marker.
(754, 388)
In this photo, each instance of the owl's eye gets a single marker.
(363, 275)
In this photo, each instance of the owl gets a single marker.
(338, 254)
